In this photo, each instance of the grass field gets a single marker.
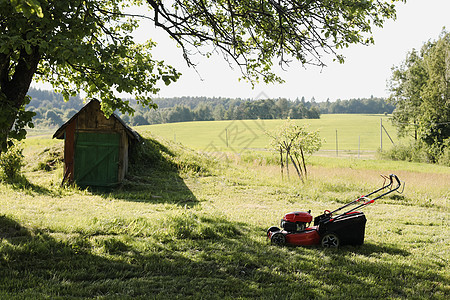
(353, 132)
(186, 225)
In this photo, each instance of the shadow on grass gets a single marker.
(203, 257)
(21, 183)
(369, 249)
(154, 177)
(34, 265)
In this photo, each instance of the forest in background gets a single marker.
(51, 110)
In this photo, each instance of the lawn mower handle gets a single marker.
(396, 179)
(390, 185)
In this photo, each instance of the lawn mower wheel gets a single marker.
(278, 238)
(330, 240)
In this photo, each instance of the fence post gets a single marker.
(226, 136)
(381, 134)
(359, 145)
(337, 151)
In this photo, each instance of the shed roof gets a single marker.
(59, 134)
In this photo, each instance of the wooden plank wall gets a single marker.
(93, 120)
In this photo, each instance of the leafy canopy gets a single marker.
(420, 89)
(87, 45)
(79, 45)
(255, 34)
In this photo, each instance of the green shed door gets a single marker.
(96, 159)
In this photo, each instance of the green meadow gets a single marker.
(353, 132)
(187, 224)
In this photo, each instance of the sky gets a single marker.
(364, 74)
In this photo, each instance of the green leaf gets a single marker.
(28, 49)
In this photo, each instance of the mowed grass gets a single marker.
(354, 131)
(189, 226)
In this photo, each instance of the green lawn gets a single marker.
(354, 131)
(185, 225)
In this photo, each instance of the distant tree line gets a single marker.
(370, 105)
(51, 110)
(186, 109)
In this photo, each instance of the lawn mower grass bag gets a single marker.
(348, 228)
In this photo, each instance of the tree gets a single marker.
(420, 89)
(54, 118)
(219, 112)
(138, 119)
(87, 45)
(406, 84)
(180, 113)
(69, 113)
(254, 33)
(435, 121)
(202, 112)
(74, 45)
(293, 143)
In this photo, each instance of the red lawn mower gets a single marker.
(331, 229)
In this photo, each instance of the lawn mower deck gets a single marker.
(330, 229)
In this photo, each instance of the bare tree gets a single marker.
(293, 143)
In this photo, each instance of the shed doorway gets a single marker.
(96, 160)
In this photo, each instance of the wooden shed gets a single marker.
(95, 147)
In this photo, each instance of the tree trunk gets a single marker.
(298, 164)
(296, 168)
(287, 164)
(303, 161)
(281, 162)
(415, 130)
(13, 89)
